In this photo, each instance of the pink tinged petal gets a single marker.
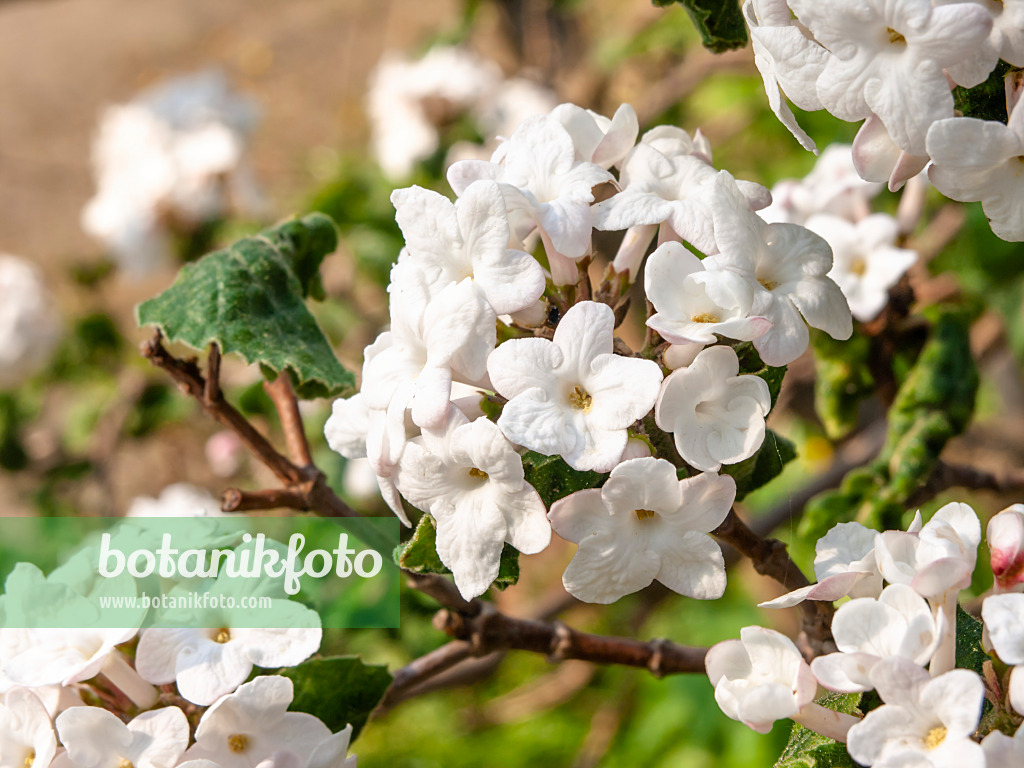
(939, 576)
(727, 660)
(845, 672)
(646, 483)
(956, 697)
(1004, 620)
(606, 568)
(772, 653)
(692, 565)
(518, 365)
(843, 545)
(580, 514)
(470, 537)
(765, 704)
(1005, 536)
(875, 155)
(830, 588)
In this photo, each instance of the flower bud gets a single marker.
(1006, 543)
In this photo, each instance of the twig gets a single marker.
(408, 680)
(211, 392)
(305, 482)
(287, 405)
(236, 500)
(947, 475)
(769, 558)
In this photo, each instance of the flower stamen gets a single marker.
(935, 737)
(30, 757)
(643, 514)
(238, 742)
(705, 317)
(478, 473)
(125, 763)
(579, 399)
(858, 267)
(222, 635)
(768, 285)
(895, 37)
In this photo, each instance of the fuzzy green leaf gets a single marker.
(807, 749)
(719, 22)
(339, 690)
(249, 299)
(554, 479)
(969, 652)
(764, 466)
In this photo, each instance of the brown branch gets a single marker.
(306, 482)
(408, 680)
(211, 392)
(947, 475)
(769, 558)
(287, 405)
(236, 500)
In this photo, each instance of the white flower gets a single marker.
(468, 241)
(788, 59)
(1004, 620)
(330, 753)
(693, 304)
(470, 479)
(501, 110)
(597, 139)
(63, 656)
(209, 663)
(760, 678)
(644, 525)
(878, 158)
(545, 187)
(888, 59)
(938, 559)
(898, 623)
(980, 160)
(96, 738)
(844, 564)
(1001, 751)
(403, 94)
(572, 396)
(716, 415)
(434, 335)
(252, 724)
(29, 321)
(925, 721)
(176, 500)
(866, 262)
(786, 266)
(1005, 537)
(1006, 41)
(26, 733)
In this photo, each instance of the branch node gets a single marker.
(561, 641)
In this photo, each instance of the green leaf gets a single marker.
(807, 749)
(554, 479)
(750, 363)
(248, 298)
(986, 101)
(764, 466)
(719, 22)
(969, 653)
(339, 690)
(419, 555)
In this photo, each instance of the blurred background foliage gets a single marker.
(98, 426)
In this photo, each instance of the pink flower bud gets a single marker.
(1006, 543)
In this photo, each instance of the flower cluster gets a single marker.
(169, 161)
(474, 313)
(897, 636)
(892, 63)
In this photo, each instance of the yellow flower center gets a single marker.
(643, 514)
(478, 473)
(125, 762)
(238, 742)
(30, 757)
(768, 285)
(858, 267)
(706, 317)
(222, 635)
(895, 37)
(579, 399)
(935, 737)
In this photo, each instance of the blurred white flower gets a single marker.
(1001, 751)
(26, 732)
(644, 525)
(172, 158)
(471, 480)
(573, 396)
(866, 262)
(715, 415)
(29, 321)
(760, 678)
(866, 631)
(176, 500)
(1004, 620)
(925, 721)
(1005, 537)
